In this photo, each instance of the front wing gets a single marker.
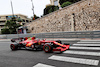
(61, 47)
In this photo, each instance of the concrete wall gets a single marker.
(81, 16)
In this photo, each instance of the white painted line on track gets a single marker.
(86, 44)
(82, 53)
(90, 40)
(5, 42)
(87, 48)
(75, 60)
(42, 65)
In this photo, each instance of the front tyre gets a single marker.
(48, 48)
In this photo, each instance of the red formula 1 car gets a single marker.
(33, 44)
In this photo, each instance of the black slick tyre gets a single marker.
(48, 48)
(14, 46)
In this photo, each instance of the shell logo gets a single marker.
(39, 43)
(29, 44)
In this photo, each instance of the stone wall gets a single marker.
(81, 16)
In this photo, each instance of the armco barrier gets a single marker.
(80, 34)
(9, 36)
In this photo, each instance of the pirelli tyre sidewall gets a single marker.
(48, 48)
(14, 46)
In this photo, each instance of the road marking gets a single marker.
(90, 40)
(5, 42)
(83, 53)
(86, 44)
(42, 65)
(75, 60)
(87, 48)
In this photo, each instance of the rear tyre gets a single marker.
(48, 48)
(14, 46)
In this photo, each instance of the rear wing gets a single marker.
(17, 39)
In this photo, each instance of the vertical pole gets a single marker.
(59, 5)
(12, 9)
(6, 36)
(72, 22)
(32, 8)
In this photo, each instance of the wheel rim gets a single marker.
(46, 48)
(12, 46)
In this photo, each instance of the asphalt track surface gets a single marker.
(78, 56)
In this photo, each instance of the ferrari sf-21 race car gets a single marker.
(33, 43)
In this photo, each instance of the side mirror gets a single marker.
(43, 39)
(12, 40)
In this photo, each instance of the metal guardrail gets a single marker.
(82, 34)
(10, 36)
